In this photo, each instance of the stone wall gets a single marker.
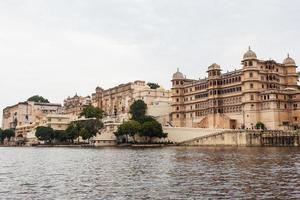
(246, 138)
(181, 134)
(225, 138)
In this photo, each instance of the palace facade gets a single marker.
(261, 91)
(75, 105)
(27, 113)
(117, 100)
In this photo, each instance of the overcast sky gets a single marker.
(56, 48)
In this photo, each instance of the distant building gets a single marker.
(27, 113)
(117, 100)
(55, 121)
(261, 91)
(75, 105)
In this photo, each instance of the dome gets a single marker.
(214, 66)
(178, 75)
(289, 61)
(250, 55)
(99, 89)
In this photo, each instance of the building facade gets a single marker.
(75, 105)
(58, 122)
(261, 91)
(27, 113)
(117, 100)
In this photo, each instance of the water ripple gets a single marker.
(159, 173)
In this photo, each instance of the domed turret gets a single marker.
(99, 89)
(178, 75)
(214, 66)
(214, 70)
(289, 61)
(249, 55)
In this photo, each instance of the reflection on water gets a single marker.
(158, 173)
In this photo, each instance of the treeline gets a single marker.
(140, 124)
(85, 128)
(7, 133)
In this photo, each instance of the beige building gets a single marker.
(261, 91)
(27, 113)
(116, 101)
(75, 105)
(55, 121)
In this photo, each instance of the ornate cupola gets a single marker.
(290, 65)
(249, 58)
(178, 78)
(178, 75)
(214, 71)
(289, 61)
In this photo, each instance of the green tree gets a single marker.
(138, 110)
(146, 118)
(260, 125)
(72, 132)
(85, 134)
(44, 133)
(152, 129)
(60, 136)
(92, 112)
(8, 133)
(129, 128)
(153, 85)
(84, 128)
(1, 135)
(91, 128)
(38, 99)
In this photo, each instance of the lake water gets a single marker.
(154, 173)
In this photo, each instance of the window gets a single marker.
(295, 106)
(251, 75)
(252, 97)
(250, 63)
(251, 85)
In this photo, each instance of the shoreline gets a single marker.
(137, 146)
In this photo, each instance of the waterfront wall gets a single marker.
(181, 134)
(225, 138)
(246, 138)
